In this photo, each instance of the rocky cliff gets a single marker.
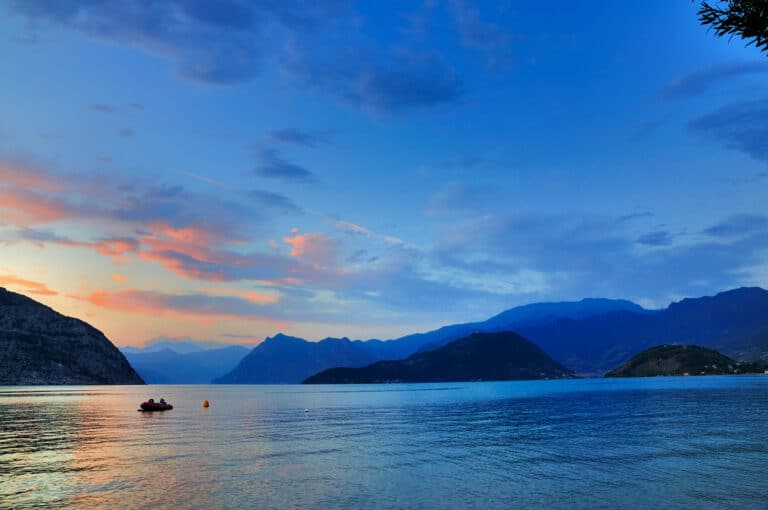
(41, 346)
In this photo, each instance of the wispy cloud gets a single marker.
(742, 126)
(380, 83)
(656, 238)
(27, 208)
(271, 199)
(193, 306)
(459, 198)
(355, 229)
(26, 286)
(634, 216)
(225, 43)
(272, 165)
(698, 82)
(482, 35)
(102, 108)
(739, 225)
(299, 137)
(314, 247)
(193, 235)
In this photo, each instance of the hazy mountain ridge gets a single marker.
(284, 359)
(497, 356)
(536, 314)
(197, 367)
(40, 346)
(184, 345)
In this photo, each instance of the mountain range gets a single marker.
(591, 336)
(730, 322)
(499, 356)
(284, 359)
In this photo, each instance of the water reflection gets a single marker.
(553, 444)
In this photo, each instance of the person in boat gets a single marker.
(162, 401)
(151, 401)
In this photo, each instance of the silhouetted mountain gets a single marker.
(284, 359)
(495, 356)
(595, 345)
(197, 367)
(293, 359)
(509, 320)
(590, 336)
(681, 360)
(41, 346)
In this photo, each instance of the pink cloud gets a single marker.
(196, 307)
(249, 295)
(22, 175)
(114, 247)
(314, 247)
(26, 286)
(190, 241)
(25, 208)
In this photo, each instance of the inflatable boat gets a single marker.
(151, 405)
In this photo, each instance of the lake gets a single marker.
(677, 442)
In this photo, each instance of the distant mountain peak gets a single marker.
(755, 295)
(282, 337)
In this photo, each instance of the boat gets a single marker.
(151, 405)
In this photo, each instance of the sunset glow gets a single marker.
(155, 183)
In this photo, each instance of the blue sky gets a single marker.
(226, 170)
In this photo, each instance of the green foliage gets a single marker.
(746, 18)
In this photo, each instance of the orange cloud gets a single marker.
(201, 308)
(179, 264)
(115, 247)
(27, 286)
(18, 174)
(166, 244)
(314, 247)
(249, 295)
(119, 278)
(25, 208)
(185, 236)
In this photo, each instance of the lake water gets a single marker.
(688, 442)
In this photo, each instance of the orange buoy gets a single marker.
(205, 403)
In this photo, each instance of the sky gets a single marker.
(228, 170)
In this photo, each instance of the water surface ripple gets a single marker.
(620, 443)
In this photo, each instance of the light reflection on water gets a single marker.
(670, 442)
